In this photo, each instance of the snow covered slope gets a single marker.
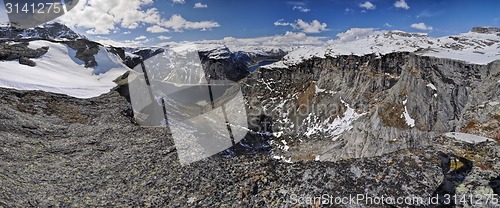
(479, 46)
(59, 71)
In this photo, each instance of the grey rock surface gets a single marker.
(26, 61)
(399, 100)
(66, 152)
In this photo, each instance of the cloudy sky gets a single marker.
(151, 22)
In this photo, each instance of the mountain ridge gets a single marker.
(395, 124)
(479, 46)
(54, 31)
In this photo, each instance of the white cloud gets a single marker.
(108, 16)
(368, 5)
(294, 38)
(428, 13)
(200, 6)
(156, 29)
(178, 1)
(286, 41)
(421, 26)
(388, 25)
(164, 37)
(281, 22)
(296, 3)
(401, 4)
(104, 16)
(142, 37)
(126, 32)
(126, 43)
(313, 27)
(179, 24)
(301, 8)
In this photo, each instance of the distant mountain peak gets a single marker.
(406, 34)
(480, 46)
(51, 31)
(486, 30)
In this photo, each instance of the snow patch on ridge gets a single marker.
(106, 61)
(472, 47)
(432, 86)
(298, 56)
(335, 128)
(57, 71)
(469, 138)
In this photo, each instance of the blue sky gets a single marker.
(179, 20)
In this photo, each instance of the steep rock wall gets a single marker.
(361, 106)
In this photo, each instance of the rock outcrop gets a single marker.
(62, 151)
(20, 51)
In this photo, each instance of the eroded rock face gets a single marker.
(372, 105)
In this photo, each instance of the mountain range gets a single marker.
(373, 112)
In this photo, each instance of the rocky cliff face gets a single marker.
(361, 106)
(221, 64)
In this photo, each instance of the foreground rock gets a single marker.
(20, 51)
(66, 152)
